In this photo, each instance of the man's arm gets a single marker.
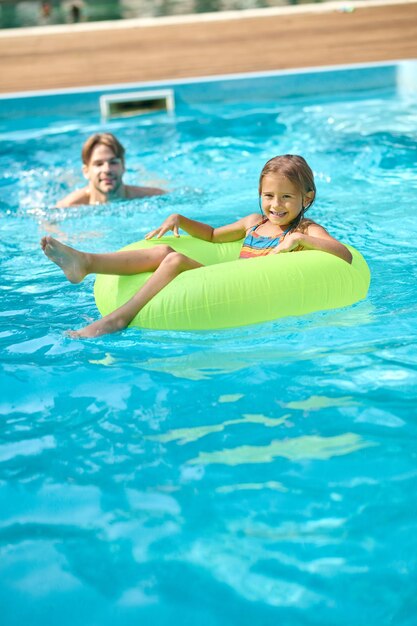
(79, 196)
(132, 191)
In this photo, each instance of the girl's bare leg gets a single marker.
(76, 264)
(173, 264)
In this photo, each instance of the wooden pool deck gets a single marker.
(168, 48)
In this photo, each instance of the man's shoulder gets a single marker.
(133, 191)
(79, 196)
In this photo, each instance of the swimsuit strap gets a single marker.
(265, 219)
(285, 232)
(252, 230)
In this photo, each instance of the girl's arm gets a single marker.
(230, 232)
(316, 238)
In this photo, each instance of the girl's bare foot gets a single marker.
(72, 262)
(106, 325)
(83, 333)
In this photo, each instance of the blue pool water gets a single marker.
(262, 475)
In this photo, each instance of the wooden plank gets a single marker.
(80, 58)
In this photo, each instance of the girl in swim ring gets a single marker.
(286, 191)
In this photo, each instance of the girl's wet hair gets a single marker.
(293, 167)
(107, 139)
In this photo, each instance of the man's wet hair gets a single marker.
(106, 139)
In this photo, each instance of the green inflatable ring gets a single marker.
(230, 292)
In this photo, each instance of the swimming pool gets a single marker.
(263, 475)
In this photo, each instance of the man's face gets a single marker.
(105, 171)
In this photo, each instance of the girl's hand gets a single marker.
(312, 241)
(289, 243)
(172, 222)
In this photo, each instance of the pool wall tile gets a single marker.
(398, 76)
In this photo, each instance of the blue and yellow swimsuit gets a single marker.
(256, 245)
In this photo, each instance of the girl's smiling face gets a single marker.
(282, 200)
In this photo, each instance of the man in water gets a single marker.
(103, 166)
